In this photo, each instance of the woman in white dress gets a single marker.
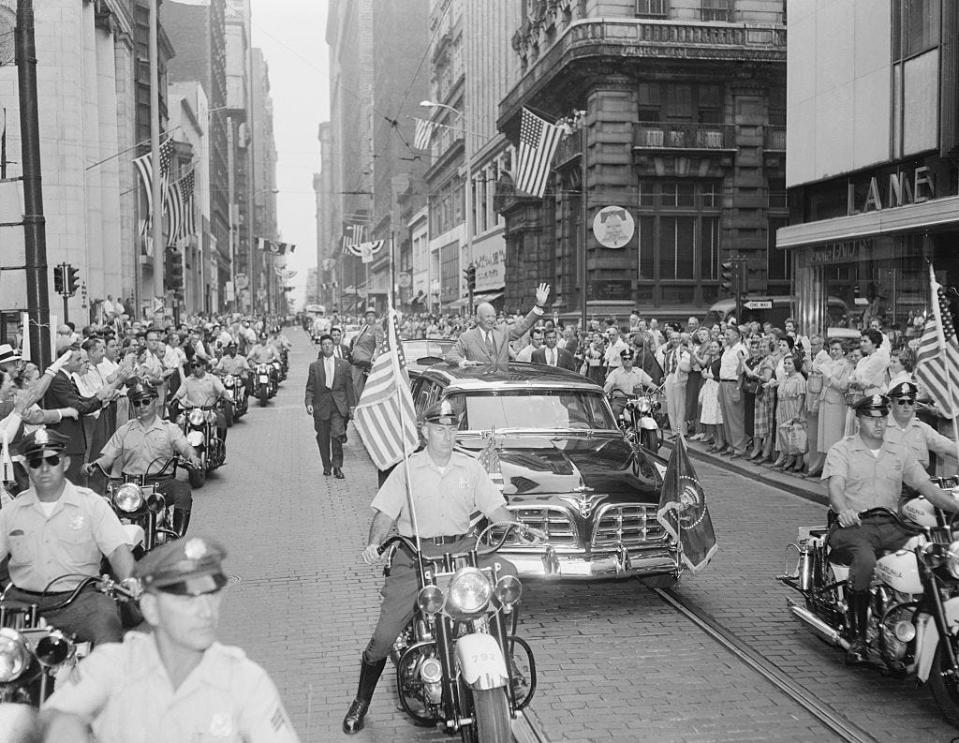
(712, 414)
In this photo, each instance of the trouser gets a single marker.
(329, 438)
(177, 493)
(859, 545)
(92, 617)
(359, 380)
(401, 588)
(734, 424)
(676, 404)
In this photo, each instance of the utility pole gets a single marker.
(157, 236)
(34, 224)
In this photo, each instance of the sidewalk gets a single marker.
(812, 489)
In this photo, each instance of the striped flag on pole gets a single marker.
(537, 145)
(385, 416)
(423, 134)
(937, 358)
(144, 165)
(179, 205)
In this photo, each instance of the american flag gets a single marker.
(144, 165)
(489, 459)
(423, 134)
(937, 358)
(179, 206)
(385, 416)
(354, 237)
(537, 145)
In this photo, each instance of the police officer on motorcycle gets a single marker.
(236, 364)
(143, 445)
(920, 437)
(446, 487)
(200, 389)
(623, 379)
(866, 471)
(263, 352)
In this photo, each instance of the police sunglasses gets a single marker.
(36, 463)
(142, 402)
(905, 401)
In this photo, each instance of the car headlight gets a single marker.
(128, 498)
(430, 600)
(952, 559)
(469, 592)
(508, 590)
(196, 417)
(14, 656)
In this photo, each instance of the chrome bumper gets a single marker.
(550, 563)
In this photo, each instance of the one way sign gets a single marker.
(758, 304)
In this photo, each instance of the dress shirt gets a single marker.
(329, 368)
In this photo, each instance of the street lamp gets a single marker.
(468, 193)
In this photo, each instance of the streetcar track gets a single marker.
(838, 725)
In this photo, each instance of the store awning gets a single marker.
(487, 296)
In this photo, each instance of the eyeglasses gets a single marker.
(905, 402)
(37, 462)
(141, 403)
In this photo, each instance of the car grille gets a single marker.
(552, 520)
(631, 526)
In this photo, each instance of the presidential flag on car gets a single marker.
(682, 510)
(385, 416)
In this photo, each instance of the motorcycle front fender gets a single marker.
(195, 438)
(136, 537)
(648, 424)
(481, 661)
(927, 637)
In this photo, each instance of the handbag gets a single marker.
(750, 386)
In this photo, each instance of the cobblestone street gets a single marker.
(615, 662)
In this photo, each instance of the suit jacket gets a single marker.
(63, 393)
(344, 351)
(325, 400)
(471, 345)
(564, 359)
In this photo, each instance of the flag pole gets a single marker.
(941, 337)
(392, 335)
(157, 216)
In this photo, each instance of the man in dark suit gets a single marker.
(330, 400)
(488, 343)
(340, 349)
(63, 393)
(552, 355)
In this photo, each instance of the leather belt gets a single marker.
(728, 380)
(445, 539)
(41, 593)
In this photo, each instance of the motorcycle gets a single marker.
(638, 417)
(276, 376)
(459, 663)
(235, 396)
(141, 508)
(33, 655)
(263, 383)
(913, 621)
(199, 426)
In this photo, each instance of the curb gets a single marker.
(794, 485)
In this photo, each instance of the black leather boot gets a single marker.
(858, 617)
(181, 520)
(369, 675)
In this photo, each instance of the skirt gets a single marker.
(693, 385)
(761, 415)
(712, 413)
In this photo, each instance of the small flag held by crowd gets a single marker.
(385, 416)
(537, 145)
(682, 510)
(937, 358)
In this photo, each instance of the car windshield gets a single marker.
(532, 409)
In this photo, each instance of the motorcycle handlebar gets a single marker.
(507, 527)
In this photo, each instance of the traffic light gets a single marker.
(730, 277)
(470, 273)
(73, 278)
(173, 270)
(58, 278)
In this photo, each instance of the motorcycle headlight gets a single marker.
(54, 649)
(430, 600)
(469, 592)
(196, 417)
(643, 405)
(14, 656)
(952, 559)
(228, 380)
(508, 590)
(194, 438)
(128, 498)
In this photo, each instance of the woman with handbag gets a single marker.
(790, 409)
